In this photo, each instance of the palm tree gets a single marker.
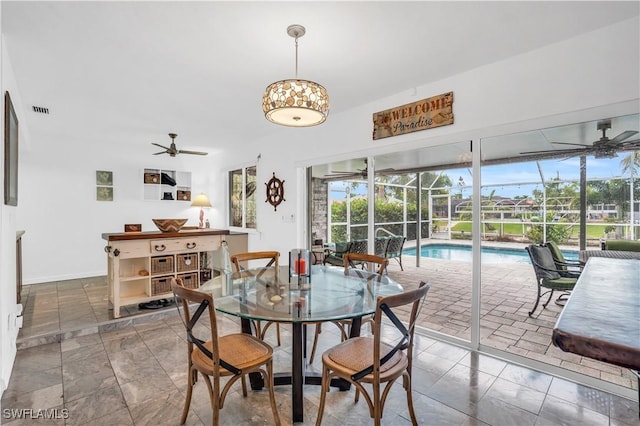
(630, 164)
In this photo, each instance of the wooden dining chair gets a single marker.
(214, 357)
(351, 261)
(239, 261)
(369, 359)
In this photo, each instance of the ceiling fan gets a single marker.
(359, 174)
(173, 151)
(602, 148)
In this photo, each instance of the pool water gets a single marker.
(488, 254)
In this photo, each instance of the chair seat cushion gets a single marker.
(243, 351)
(354, 355)
(562, 283)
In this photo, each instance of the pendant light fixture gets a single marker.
(296, 102)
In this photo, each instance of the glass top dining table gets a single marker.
(325, 294)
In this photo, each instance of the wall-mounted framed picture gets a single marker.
(104, 193)
(104, 178)
(10, 153)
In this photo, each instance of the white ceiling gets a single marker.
(199, 69)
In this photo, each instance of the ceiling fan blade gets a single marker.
(342, 173)
(549, 151)
(631, 143)
(161, 146)
(161, 152)
(569, 143)
(624, 135)
(182, 151)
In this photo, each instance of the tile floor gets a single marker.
(508, 292)
(73, 356)
(134, 374)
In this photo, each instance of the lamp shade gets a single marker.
(201, 201)
(296, 103)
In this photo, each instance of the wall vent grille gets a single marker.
(40, 110)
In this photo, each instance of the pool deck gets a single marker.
(508, 294)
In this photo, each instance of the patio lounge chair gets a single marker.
(566, 268)
(394, 249)
(336, 257)
(381, 246)
(547, 275)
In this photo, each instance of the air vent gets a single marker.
(40, 110)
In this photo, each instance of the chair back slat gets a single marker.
(271, 256)
(352, 260)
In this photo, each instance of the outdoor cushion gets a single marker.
(561, 283)
(622, 245)
(542, 256)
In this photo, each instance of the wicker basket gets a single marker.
(160, 285)
(189, 280)
(183, 195)
(187, 262)
(152, 178)
(161, 265)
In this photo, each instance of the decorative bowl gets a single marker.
(169, 225)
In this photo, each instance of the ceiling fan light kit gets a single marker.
(296, 102)
(172, 150)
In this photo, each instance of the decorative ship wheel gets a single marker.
(275, 192)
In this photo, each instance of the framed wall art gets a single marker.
(10, 153)
(104, 178)
(104, 193)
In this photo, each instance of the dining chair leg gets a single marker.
(214, 392)
(315, 341)
(324, 388)
(377, 405)
(244, 385)
(272, 395)
(406, 379)
(187, 402)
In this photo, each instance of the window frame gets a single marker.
(246, 207)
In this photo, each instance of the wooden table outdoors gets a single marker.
(601, 320)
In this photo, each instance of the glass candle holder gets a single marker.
(299, 266)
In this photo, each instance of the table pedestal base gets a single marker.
(298, 377)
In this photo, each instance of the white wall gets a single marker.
(8, 220)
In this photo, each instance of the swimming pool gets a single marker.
(489, 254)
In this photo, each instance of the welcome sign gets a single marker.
(425, 114)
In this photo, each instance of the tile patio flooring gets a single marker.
(132, 370)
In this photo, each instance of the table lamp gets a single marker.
(201, 201)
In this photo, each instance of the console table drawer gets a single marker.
(174, 245)
(130, 249)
